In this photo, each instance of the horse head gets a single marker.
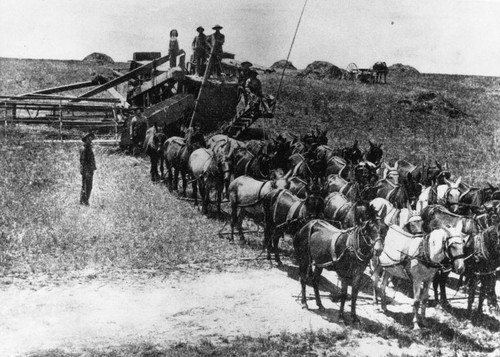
(374, 153)
(413, 189)
(374, 231)
(352, 153)
(451, 197)
(453, 244)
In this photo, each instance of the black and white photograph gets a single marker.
(194, 178)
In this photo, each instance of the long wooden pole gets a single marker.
(60, 121)
(205, 77)
(5, 120)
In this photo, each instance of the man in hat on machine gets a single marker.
(215, 42)
(87, 167)
(200, 51)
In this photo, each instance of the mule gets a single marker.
(396, 194)
(404, 218)
(417, 258)
(341, 212)
(424, 174)
(484, 249)
(152, 146)
(472, 198)
(375, 153)
(447, 195)
(435, 217)
(286, 213)
(176, 153)
(208, 169)
(224, 146)
(379, 72)
(350, 189)
(246, 195)
(257, 165)
(320, 245)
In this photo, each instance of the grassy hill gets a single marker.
(450, 118)
(19, 76)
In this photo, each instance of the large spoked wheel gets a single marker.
(352, 71)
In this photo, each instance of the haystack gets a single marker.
(322, 70)
(100, 58)
(403, 69)
(282, 64)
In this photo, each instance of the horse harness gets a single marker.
(352, 245)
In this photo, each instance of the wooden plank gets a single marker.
(43, 97)
(62, 88)
(132, 74)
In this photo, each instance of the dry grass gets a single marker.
(131, 224)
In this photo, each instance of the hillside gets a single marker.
(418, 117)
(19, 76)
(450, 118)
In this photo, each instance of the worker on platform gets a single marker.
(215, 42)
(173, 48)
(257, 102)
(200, 51)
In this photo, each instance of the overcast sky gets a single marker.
(435, 36)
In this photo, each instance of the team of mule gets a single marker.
(343, 207)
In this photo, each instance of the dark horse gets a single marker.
(176, 152)
(257, 165)
(485, 251)
(343, 213)
(152, 146)
(374, 153)
(320, 245)
(379, 71)
(286, 213)
(397, 194)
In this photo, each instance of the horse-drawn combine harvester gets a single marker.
(169, 97)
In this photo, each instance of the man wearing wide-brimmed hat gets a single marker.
(87, 167)
(215, 42)
(244, 73)
(200, 51)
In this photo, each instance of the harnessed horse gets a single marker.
(483, 251)
(209, 170)
(396, 194)
(176, 152)
(152, 146)
(257, 165)
(346, 214)
(320, 245)
(374, 153)
(404, 218)
(417, 258)
(447, 195)
(246, 195)
(286, 213)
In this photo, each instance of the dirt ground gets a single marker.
(90, 312)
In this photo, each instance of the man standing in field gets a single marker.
(87, 168)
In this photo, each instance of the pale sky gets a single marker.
(434, 36)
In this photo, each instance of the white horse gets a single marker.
(404, 218)
(417, 258)
(447, 195)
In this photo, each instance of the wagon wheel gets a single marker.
(352, 71)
